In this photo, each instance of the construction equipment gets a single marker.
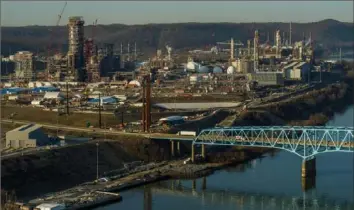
(49, 63)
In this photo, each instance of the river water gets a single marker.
(273, 182)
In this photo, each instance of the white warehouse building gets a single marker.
(30, 135)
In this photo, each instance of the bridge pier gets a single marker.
(308, 168)
(178, 148)
(203, 151)
(192, 153)
(172, 148)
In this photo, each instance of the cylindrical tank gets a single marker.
(203, 69)
(230, 70)
(217, 70)
(192, 66)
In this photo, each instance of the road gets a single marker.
(97, 130)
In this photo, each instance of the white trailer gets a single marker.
(187, 133)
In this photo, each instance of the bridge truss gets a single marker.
(305, 142)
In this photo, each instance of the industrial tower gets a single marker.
(76, 47)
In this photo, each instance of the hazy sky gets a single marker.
(19, 13)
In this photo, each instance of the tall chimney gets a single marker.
(232, 49)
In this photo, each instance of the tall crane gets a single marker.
(51, 39)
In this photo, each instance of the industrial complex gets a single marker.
(172, 96)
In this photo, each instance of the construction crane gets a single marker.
(51, 39)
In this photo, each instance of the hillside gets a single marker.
(181, 35)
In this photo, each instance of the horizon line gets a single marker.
(141, 24)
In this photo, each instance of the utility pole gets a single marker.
(97, 161)
(67, 98)
(99, 110)
(122, 118)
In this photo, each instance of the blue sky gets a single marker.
(17, 13)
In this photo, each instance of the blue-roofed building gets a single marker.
(104, 100)
(44, 89)
(172, 120)
(13, 90)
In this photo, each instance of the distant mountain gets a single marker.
(149, 37)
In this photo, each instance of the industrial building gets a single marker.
(267, 78)
(24, 65)
(76, 46)
(30, 135)
(297, 71)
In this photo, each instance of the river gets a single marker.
(273, 182)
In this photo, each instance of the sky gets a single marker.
(21, 13)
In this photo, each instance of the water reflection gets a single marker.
(248, 200)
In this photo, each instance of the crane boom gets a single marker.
(61, 13)
(51, 39)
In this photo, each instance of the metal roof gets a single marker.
(27, 128)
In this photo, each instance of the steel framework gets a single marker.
(305, 142)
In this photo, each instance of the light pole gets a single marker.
(97, 161)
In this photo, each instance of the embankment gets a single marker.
(56, 169)
(314, 108)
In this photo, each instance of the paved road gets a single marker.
(95, 130)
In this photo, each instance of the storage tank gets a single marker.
(38, 84)
(47, 84)
(217, 70)
(230, 70)
(31, 84)
(135, 83)
(192, 66)
(204, 69)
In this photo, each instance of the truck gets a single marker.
(187, 133)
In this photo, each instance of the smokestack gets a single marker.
(249, 47)
(255, 49)
(290, 30)
(121, 48)
(277, 43)
(232, 49)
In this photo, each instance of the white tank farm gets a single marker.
(230, 70)
(217, 70)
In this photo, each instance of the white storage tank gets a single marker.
(192, 66)
(47, 84)
(230, 70)
(39, 84)
(31, 84)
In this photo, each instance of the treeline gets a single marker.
(149, 37)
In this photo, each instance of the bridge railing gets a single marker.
(302, 141)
